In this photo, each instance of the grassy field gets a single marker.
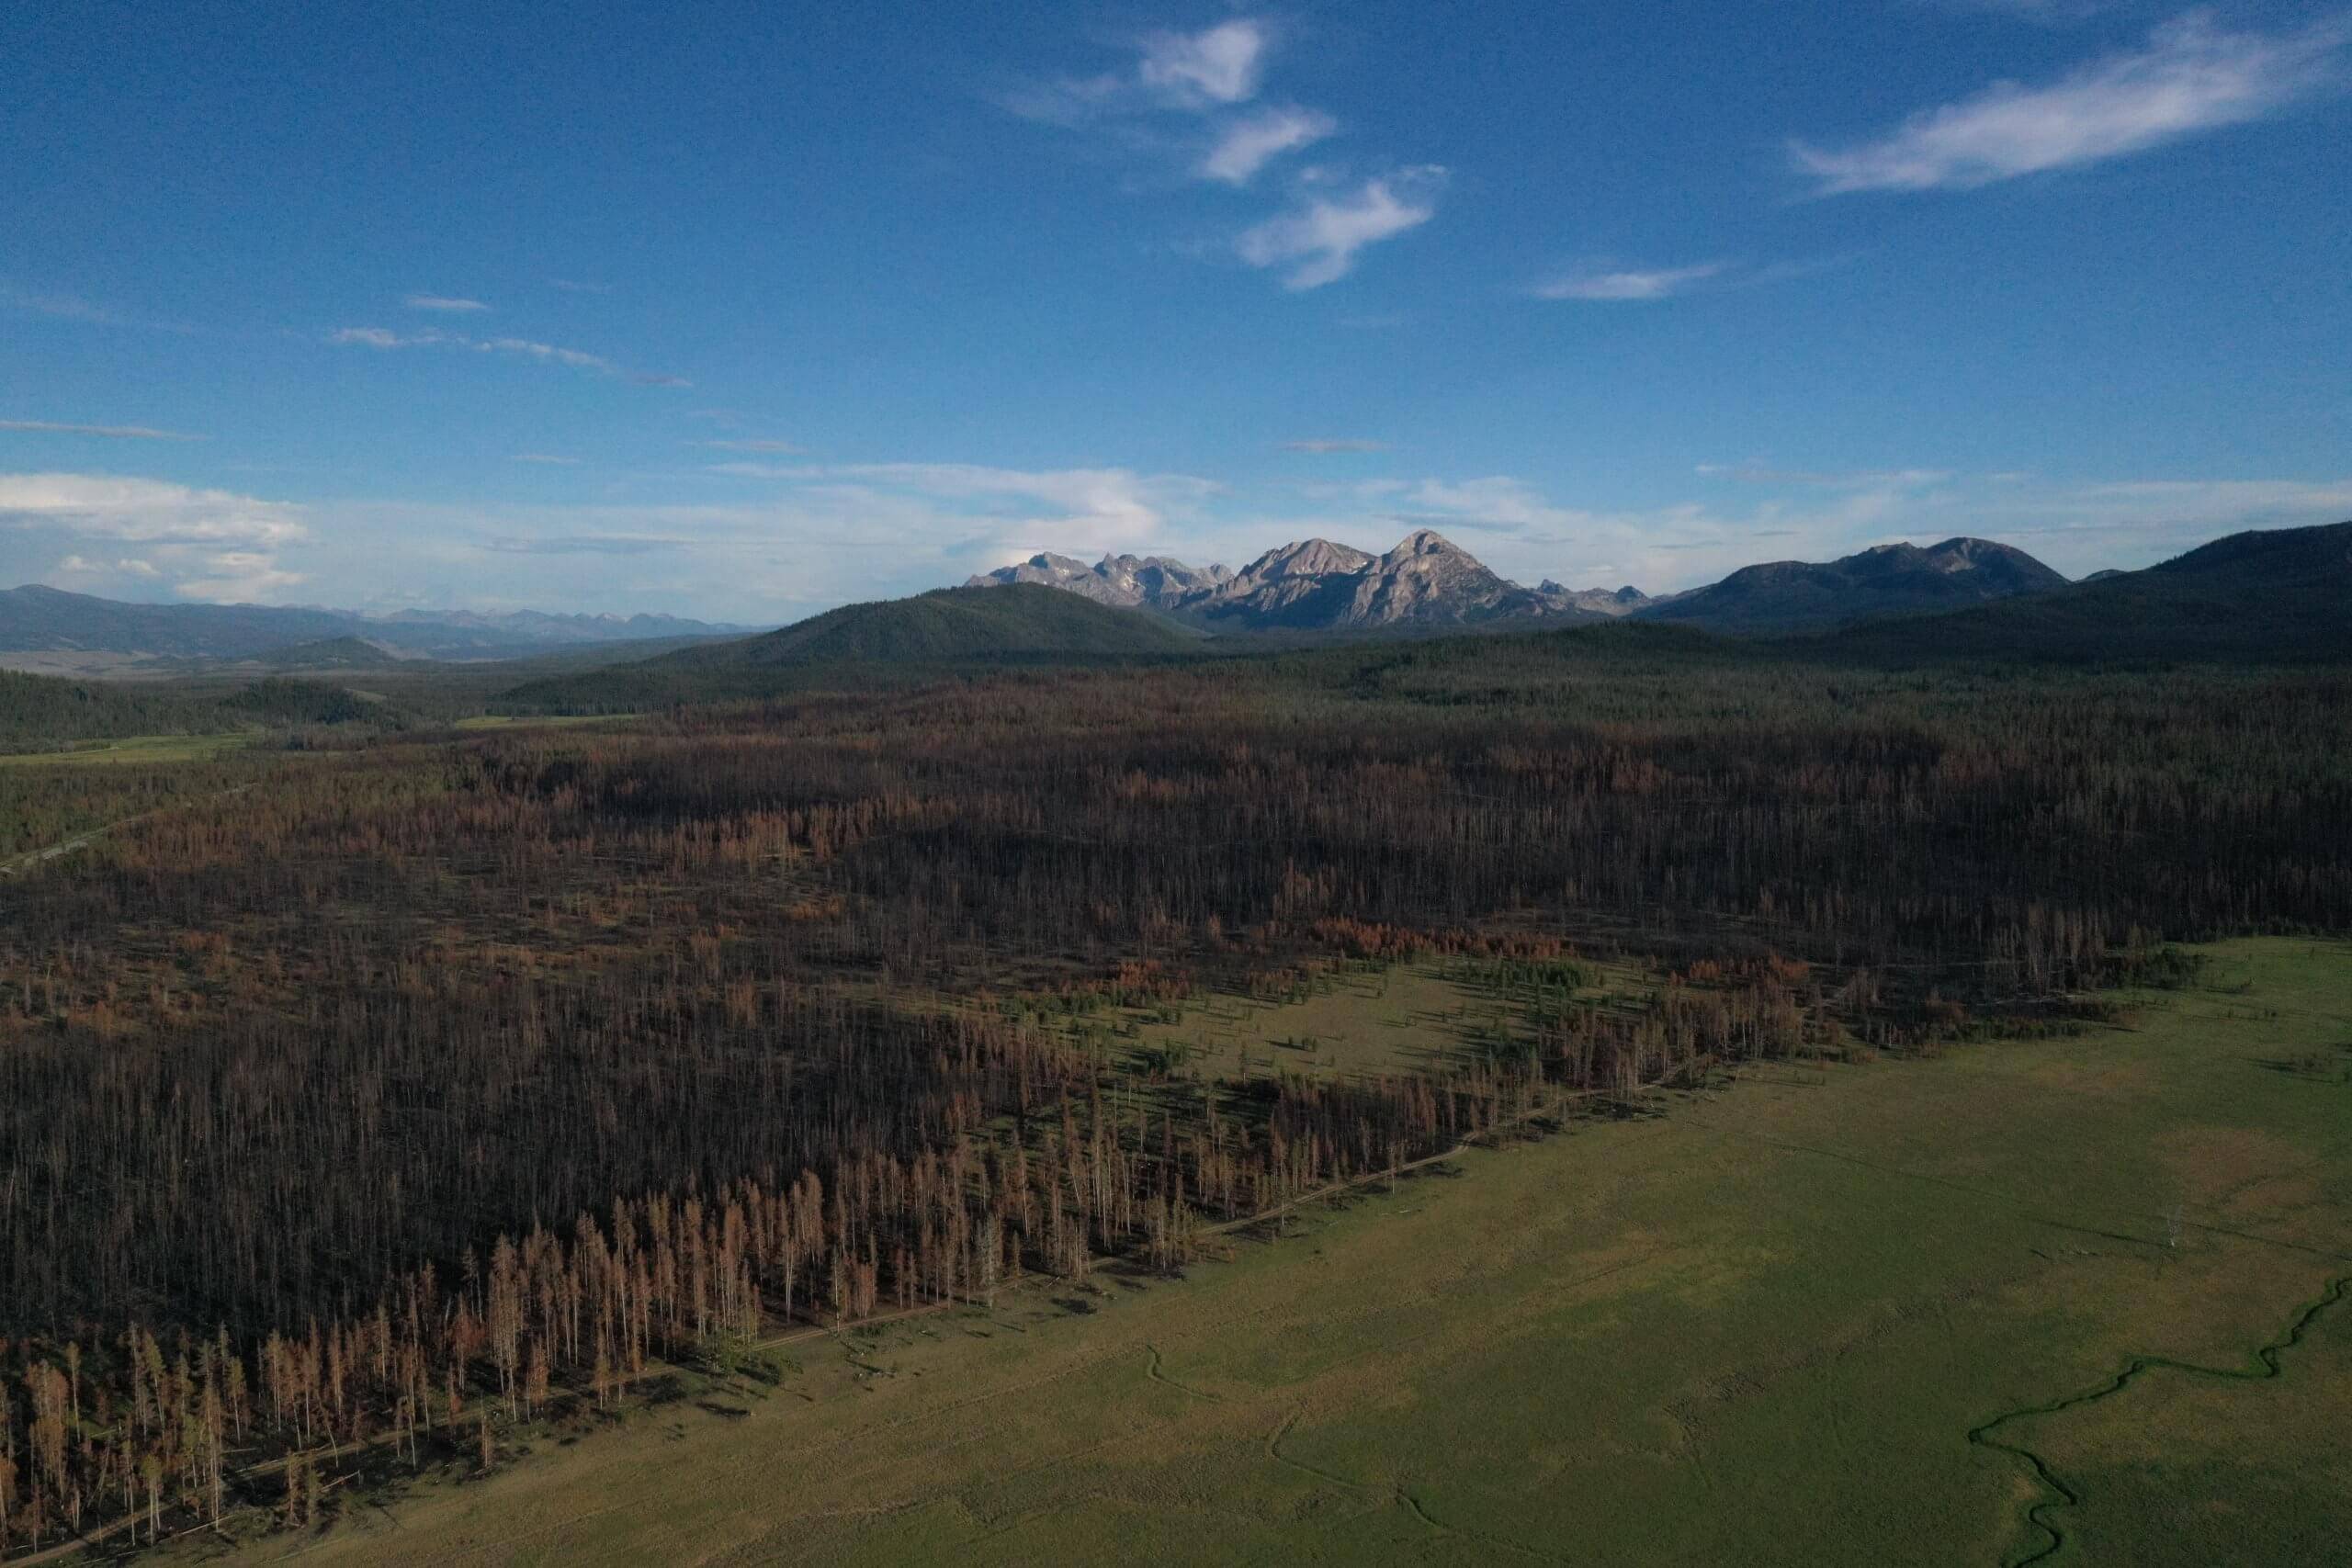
(1759, 1326)
(537, 721)
(148, 748)
(1368, 1022)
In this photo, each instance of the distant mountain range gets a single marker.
(2285, 592)
(38, 619)
(1427, 583)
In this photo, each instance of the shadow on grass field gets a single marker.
(1757, 1328)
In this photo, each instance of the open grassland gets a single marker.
(1359, 1021)
(538, 721)
(1760, 1324)
(153, 750)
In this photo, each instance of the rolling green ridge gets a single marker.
(887, 642)
(953, 624)
(334, 652)
(2278, 595)
(1777, 598)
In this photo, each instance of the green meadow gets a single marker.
(147, 748)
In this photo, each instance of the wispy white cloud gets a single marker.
(1251, 142)
(551, 459)
(1834, 479)
(443, 302)
(586, 544)
(115, 432)
(126, 566)
(1327, 445)
(746, 446)
(1191, 72)
(1658, 284)
(573, 286)
(2048, 13)
(1019, 509)
(384, 337)
(1218, 65)
(1319, 240)
(58, 305)
(61, 306)
(2191, 77)
(1203, 80)
(548, 353)
(545, 353)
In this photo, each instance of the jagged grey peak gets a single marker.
(1321, 585)
(1599, 601)
(1125, 581)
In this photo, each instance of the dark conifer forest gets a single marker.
(379, 1095)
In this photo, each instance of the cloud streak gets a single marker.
(113, 432)
(548, 352)
(1022, 509)
(1318, 242)
(525, 348)
(60, 306)
(2189, 77)
(443, 302)
(1660, 284)
(383, 337)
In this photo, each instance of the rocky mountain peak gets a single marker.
(1426, 580)
(1426, 542)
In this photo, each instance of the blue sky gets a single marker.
(744, 310)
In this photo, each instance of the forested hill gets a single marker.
(952, 624)
(36, 710)
(42, 713)
(332, 653)
(1781, 597)
(883, 642)
(2276, 594)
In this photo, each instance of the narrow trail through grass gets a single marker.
(2263, 1364)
